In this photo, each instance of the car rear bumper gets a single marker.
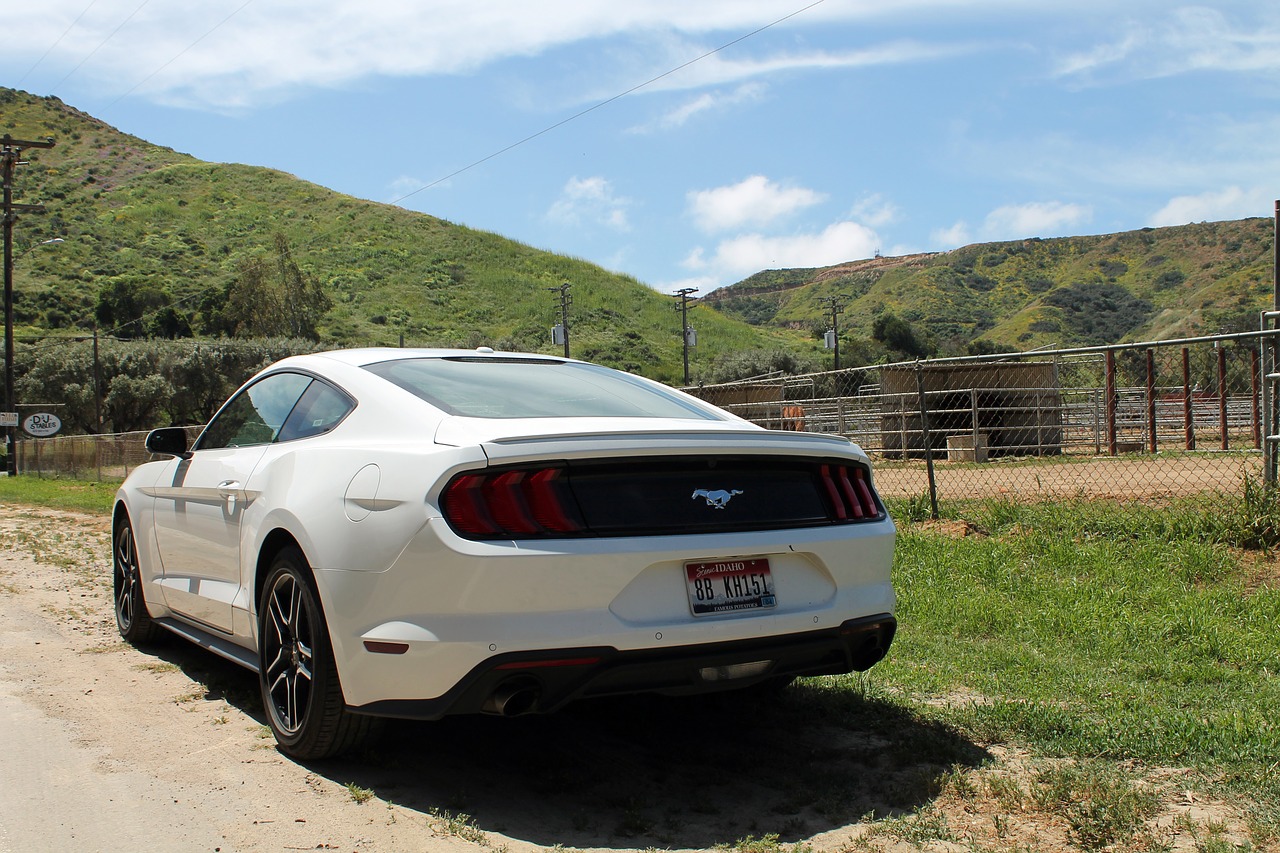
(544, 681)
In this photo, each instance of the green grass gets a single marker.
(1104, 631)
(82, 495)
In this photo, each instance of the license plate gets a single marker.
(724, 586)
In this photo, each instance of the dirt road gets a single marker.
(113, 748)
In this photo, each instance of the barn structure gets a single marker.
(1009, 409)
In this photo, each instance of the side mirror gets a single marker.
(170, 441)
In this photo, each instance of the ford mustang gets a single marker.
(416, 533)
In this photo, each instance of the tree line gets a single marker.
(126, 386)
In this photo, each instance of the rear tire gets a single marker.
(296, 671)
(132, 618)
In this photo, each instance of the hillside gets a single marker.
(1139, 285)
(160, 230)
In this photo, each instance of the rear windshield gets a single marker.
(535, 388)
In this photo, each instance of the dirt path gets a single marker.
(111, 748)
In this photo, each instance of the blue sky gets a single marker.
(821, 132)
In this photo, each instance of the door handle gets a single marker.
(228, 489)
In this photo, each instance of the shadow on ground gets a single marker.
(648, 771)
(658, 772)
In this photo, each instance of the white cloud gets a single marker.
(706, 102)
(755, 201)
(1014, 222)
(1188, 38)
(874, 210)
(1036, 219)
(951, 238)
(590, 200)
(1214, 206)
(228, 54)
(740, 256)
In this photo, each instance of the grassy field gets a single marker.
(1080, 675)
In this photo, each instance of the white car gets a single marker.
(415, 533)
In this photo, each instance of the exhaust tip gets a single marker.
(512, 700)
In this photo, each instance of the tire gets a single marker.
(296, 673)
(132, 618)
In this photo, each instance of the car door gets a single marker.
(200, 508)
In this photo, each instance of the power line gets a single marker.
(101, 44)
(45, 55)
(607, 101)
(179, 54)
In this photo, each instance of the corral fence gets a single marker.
(1136, 421)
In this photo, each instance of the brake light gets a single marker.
(848, 492)
(512, 504)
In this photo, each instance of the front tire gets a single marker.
(297, 675)
(132, 618)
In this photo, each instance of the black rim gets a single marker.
(126, 578)
(288, 651)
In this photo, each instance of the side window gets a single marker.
(320, 409)
(256, 414)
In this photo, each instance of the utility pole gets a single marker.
(10, 158)
(560, 333)
(836, 306)
(689, 336)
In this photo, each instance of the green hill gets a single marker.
(1139, 285)
(165, 234)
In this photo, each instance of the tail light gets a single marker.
(512, 504)
(849, 493)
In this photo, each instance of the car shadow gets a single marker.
(644, 771)
(667, 772)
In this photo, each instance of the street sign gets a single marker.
(8, 419)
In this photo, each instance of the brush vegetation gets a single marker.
(1156, 283)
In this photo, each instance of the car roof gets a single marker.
(376, 355)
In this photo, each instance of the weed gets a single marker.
(459, 826)
(359, 795)
(1101, 803)
(157, 666)
(764, 844)
(924, 826)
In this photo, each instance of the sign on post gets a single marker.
(8, 419)
(42, 424)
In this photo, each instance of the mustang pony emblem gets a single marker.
(718, 498)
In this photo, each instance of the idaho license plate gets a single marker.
(723, 586)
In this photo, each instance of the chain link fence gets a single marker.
(1153, 420)
(86, 457)
(1150, 420)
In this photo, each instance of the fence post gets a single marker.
(973, 405)
(1110, 403)
(1255, 392)
(1222, 391)
(927, 440)
(1151, 400)
(1188, 418)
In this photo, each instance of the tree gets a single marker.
(275, 299)
(133, 306)
(897, 334)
